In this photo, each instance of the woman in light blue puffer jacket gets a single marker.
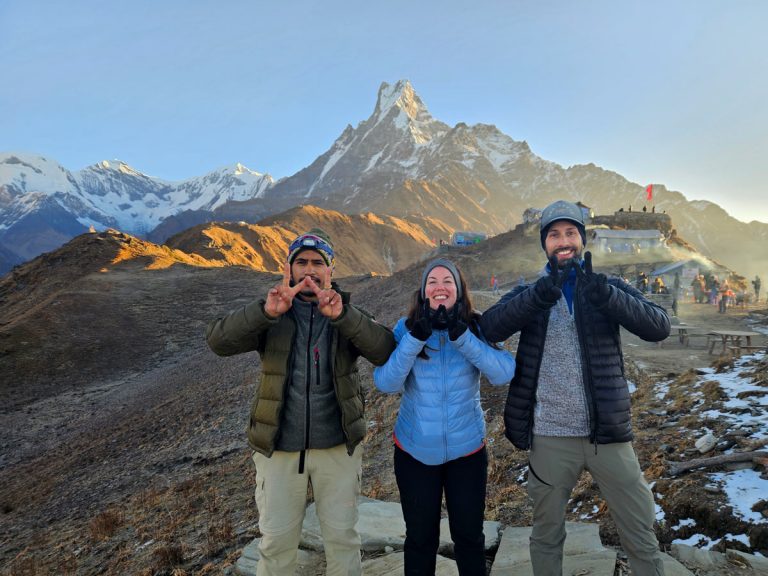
(440, 431)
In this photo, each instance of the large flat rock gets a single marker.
(711, 561)
(583, 553)
(246, 564)
(391, 564)
(381, 524)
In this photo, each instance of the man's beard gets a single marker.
(567, 262)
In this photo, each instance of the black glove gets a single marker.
(594, 286)
(548, 288)
(440, 318)
(422, 327)
(456, 326)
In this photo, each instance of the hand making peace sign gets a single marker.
(280, 298)
(549, 287)
(595, 286)
(328, 300)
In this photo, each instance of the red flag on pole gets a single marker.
(649, 192)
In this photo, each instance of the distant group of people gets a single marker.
(643, 284)
(707, 288)
(644, 209)
(568, 402)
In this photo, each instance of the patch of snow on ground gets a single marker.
(744, 407)
(750, 411)
(743, 488)
(698, 541)
(684, 523)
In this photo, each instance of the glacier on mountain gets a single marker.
(114, 194)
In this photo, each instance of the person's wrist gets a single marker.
(267, 315)
(340, 315)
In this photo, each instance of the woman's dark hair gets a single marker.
(468, 314)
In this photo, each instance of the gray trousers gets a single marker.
(555, 467)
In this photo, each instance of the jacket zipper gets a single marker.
(308, 388)
(317, 366)
(307, 412)
(445, 394)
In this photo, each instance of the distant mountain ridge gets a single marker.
(42, 204)
(400, 161)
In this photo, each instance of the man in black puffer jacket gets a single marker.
(569, 403)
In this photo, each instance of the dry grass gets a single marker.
(687, 378)
(219, 535)
(104, 525)
(691, 421)
(723, 363)
(26, 564)
(168, 557)
(679, 400)
(712, 391)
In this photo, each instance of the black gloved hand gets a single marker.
(422, 327)
(594, 286)
(548, 288)
(440, 318)
(456, 326)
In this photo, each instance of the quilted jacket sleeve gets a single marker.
(628, 307)
(374, 341)
(391, 376)
(508, 316)
(497, 365)
(239, 331)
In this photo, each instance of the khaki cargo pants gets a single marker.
(555, 467)
(281, 497)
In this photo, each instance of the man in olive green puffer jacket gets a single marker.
(307, 418)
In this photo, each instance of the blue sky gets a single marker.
(674, 93)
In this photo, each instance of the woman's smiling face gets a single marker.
(440, 288)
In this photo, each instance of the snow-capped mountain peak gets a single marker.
(241, 169)
(111, 193)
(400, 95)
(22, 172)
(400, 105)
(117, 166)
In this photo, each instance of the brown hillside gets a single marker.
(364, 243)
(76, 297)
(236, 244)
